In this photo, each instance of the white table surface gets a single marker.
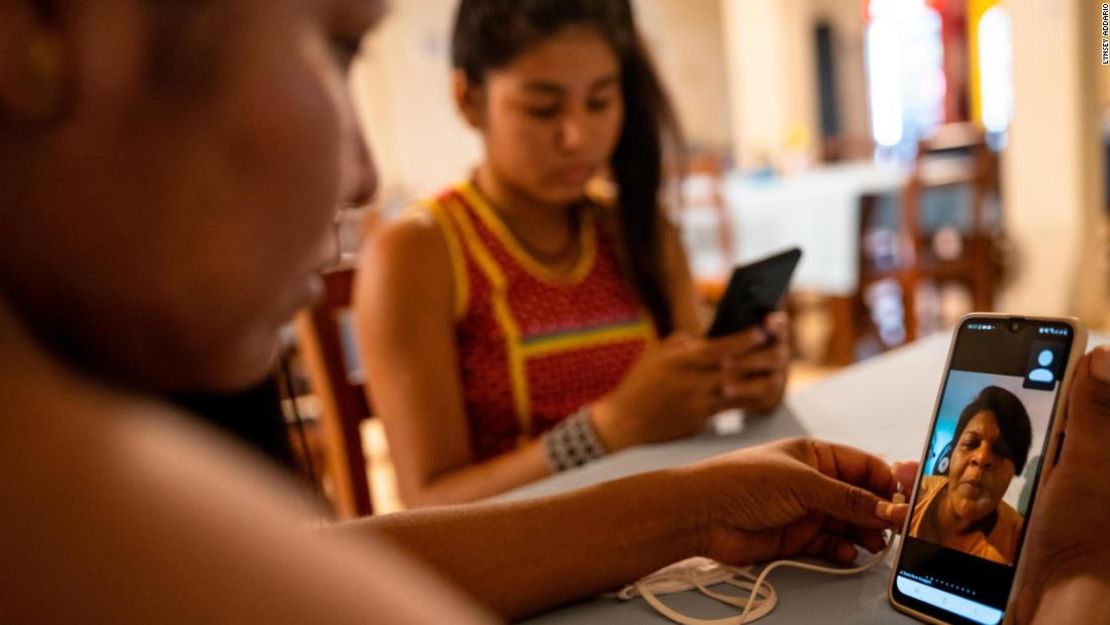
(882, 405)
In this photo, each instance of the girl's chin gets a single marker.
(563, 193)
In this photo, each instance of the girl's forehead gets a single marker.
(565, 59)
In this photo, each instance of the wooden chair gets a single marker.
(325, 338)
(955, 158)
(957, 155)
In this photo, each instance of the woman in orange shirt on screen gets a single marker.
(963, 510)
(518, 324)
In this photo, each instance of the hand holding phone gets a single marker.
(996, 433)
(1065, 569)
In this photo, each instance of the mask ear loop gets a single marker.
(745, 583)
(679, 577)
(762, 598)
(758, 603)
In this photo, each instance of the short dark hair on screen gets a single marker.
(1012, 419)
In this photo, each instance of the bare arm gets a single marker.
(404, 304)
(685, 307)
(121, 516)
(524, 557)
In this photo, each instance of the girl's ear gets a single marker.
(469, 99)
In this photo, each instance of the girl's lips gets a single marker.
(577, 174)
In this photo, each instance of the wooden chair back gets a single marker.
(326, 340)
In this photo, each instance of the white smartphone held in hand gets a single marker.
(996, 432)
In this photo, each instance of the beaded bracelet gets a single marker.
(573, 442)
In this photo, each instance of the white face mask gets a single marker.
(701, 573)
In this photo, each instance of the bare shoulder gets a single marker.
(408, 255)
(124, 511)
(413, 239)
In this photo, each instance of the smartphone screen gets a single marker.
(980, 469)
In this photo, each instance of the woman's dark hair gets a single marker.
(490, 34)
(1012, 419)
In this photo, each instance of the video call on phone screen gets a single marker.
(980, 470)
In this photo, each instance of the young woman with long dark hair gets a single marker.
(517, 312)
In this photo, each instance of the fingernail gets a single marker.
(888, 511)
(884, 510)
(1100, 363)
(897, 465)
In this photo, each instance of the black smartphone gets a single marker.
(996, 432)
(753, 292)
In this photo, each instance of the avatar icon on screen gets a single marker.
(963, 510)
(1042, 373)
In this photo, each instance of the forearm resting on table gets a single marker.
(519, 558)
(473, 482)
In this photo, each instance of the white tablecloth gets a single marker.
(817, 210)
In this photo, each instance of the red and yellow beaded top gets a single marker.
(534, 345)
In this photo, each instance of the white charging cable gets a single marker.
(700, 573)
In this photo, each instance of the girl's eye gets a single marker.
(598, 105)
(544, 112)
